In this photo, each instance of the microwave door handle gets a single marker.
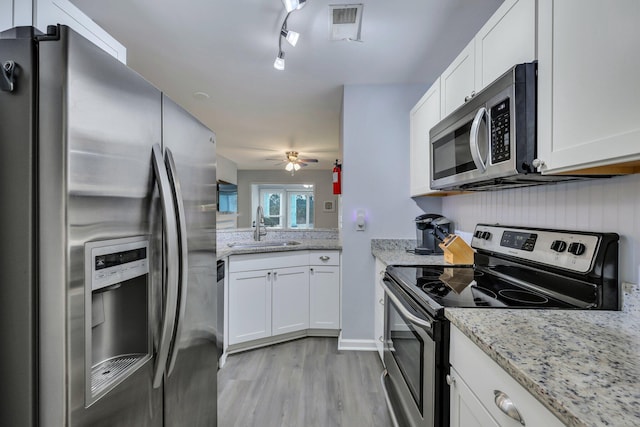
(473, 140)
(183, 259)
(170, 228)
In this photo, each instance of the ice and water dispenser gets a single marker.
(117, 312)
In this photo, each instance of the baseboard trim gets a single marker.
(356, 345)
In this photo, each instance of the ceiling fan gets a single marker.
(294, 163)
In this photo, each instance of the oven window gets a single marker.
(407, 348)
(452, 154)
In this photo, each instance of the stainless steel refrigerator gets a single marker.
(108, 257)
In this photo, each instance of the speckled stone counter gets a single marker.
(583, 365)
(394, 252)
(224, 251)
(314, 239)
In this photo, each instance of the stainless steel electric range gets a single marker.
(514, 267)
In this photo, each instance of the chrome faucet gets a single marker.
(260, 230)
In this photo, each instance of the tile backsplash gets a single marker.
(606, 205)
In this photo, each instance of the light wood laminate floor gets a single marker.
(302, 383)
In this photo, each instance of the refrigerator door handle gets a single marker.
(183, 260)
(171, 258)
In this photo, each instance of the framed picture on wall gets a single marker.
(328, 206)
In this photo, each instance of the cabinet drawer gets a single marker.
(484, 377)
(324, 258)
(266, 261)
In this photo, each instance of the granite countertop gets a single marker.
(582, 365)
(394, 252)
(223, 250)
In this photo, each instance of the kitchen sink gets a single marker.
(263, 244)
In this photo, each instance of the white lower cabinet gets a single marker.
(324, 297)
(378, 327)
(272, 294)
(482, 393)
(466, 409)
(290, 300)
(249, 306)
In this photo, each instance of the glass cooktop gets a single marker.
(469, 286)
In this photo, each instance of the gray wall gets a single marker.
(375, 145)
(321, 179)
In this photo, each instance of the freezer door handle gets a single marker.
(183, 260)
(171, 259)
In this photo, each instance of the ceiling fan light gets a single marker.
(291, 36)
(296, 166)
(278, 64)
(289, 167)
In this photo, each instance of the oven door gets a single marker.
(410, 358)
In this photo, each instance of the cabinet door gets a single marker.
(508, 38)
(324, 297)
(379, 308)
(290, 300)
(458, 80)
(588, 86)
(466, 409)
(422, 118)
(249, 306)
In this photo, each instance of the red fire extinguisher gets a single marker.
(337, 171)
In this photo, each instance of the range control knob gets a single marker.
(477, 234)
(486, 235)
(577, 248)
(559, 246)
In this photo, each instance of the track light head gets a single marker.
(278, 64)
(291, 36)
(291, 5)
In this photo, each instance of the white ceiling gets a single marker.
(227, 49)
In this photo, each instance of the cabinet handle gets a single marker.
(450, 380)
(275, 275)
(506, 405)
(468, 97)
(381, 301)
(269, 274)
(311, 269)
(381, 339)
(325, 258)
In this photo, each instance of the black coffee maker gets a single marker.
(430, 230)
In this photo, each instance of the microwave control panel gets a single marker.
(500, 134)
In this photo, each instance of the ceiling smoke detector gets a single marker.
(345, 22)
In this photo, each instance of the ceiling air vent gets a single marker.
(345, 21)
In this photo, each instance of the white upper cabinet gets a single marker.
(422, 118)
(42, 13)
(508, 38)
(588, 85)
(457, 83)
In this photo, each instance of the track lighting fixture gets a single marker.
(291, 5)
(290, 36)
(278, 64)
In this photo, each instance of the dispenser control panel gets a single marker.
(114, 263)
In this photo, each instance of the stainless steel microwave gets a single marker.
(490, 141)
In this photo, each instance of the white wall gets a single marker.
(321, 179)
(608, 205)
(375, 177)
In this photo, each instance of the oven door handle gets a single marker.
(400, 306)
(473, 139)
